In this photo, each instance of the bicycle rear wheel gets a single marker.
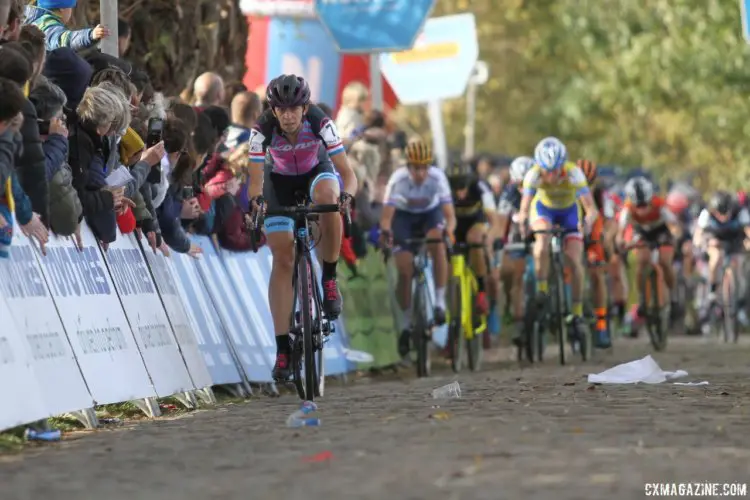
(308, 347)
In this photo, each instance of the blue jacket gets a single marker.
(56, 33)
(55, 154)
(22, 202)
(168, 215)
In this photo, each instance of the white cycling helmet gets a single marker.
(550, 154)
(639, 191)
(519, 167)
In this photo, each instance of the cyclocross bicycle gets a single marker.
(723, 313)
(465, 326)
(310, 328)
(531, 344)
(651, 290)
(421, 303)
(557, 311)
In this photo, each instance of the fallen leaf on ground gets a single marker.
(323, 456)
(441, 415)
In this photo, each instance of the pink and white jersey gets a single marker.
(294, 159)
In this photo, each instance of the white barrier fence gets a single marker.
(84, 328)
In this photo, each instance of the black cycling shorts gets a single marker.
(660, 235)
(464, 225)
(288, 190)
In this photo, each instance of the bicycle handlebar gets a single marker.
(299, 210)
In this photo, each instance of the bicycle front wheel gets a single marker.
(654, 323)
(556, 317)
(420, 332)
(729, 301)
(455, 328)
(308, 346)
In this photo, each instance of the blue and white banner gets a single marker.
(233, 313)
(145, 313)
(208, 329)
(373, 25)
(18, 382)
(161, 268)
(34, 313)
(68, 341)
(95, 323)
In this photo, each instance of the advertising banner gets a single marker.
(181, 325)
(94, 320)
(22, 396)
(146, 316)
(234, 314)
(33, 312)
(205, 322)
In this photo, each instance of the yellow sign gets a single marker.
(428, 52)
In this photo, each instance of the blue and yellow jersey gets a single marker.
(562, 193)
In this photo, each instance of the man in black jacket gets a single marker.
(16, 65)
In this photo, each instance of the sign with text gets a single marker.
(94, 320)
(35, 315)
(234, 314)
(181, 325)
(208, 328)
(439, 64)
(22, 396)
(149, 322)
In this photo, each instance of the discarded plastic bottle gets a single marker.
(302, 422)
(52, 435)
(299, 417)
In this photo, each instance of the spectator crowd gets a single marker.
(84, 135)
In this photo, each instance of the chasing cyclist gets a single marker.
(596, 257)
(474, 206)
(292, 131)
(512, 264)
(723, 228)
(551, 191)
(652, 222)
(418, 203)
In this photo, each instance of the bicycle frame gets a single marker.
(469, 288)
(421, 304)
(652, 282)
(309, 328)
(560, 307)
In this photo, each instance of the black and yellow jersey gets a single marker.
(478, 199)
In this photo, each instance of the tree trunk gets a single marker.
(176, 40)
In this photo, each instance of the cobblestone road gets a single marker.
(536, 433)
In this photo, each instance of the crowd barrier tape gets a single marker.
(87, 327)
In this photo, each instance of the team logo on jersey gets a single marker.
(256, 141)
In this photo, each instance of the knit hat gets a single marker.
(56, 4)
